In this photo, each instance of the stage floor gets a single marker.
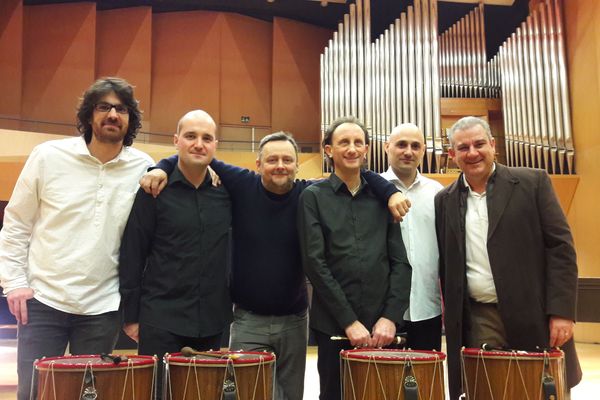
(589, 355)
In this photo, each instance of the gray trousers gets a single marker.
(486, 326)
(49, 331)
(285, 335)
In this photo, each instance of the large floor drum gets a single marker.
(511, 374)
(246, 375)
(377, 374)
(86, 376)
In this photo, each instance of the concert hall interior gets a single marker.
(531, 68)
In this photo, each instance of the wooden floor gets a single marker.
(588, 389)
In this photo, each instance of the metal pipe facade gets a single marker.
(401, 75)
(535, 93)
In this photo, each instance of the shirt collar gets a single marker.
(491, 179)
(82, 149)
(337, 184)
(392, 177)
(177, 176)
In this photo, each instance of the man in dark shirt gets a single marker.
(353, 255)
(267, 283)
(172, 269)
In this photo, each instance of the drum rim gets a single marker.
(429, 355)
(136, 361)
(179, 359)
(474, 352)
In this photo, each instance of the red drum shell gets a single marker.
(510, 374)
(61, 378)
(202, 377)
(378, 374)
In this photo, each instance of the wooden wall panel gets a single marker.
(58, 59)
(583, 63)
(246, 62)
(185, 66)
(11, 57)
(123, 49)
(296, 86)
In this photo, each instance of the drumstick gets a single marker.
(399, 340)
(189, 352)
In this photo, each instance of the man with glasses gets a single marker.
(62, 227)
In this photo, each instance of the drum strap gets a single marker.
(548, 381)
(411, 387)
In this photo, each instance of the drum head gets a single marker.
(97, 362)
(222, 357)
(392, 355)
(525, 355)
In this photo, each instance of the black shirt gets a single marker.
(267, 276)
(353, 255)
(173, 259)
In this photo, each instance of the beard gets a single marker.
(110, 136)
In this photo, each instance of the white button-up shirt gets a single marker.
(420, 241)
(480, 280)
(63, 225)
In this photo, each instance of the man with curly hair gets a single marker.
(59, 246)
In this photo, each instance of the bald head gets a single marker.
(196, 141)
(407, 130)
(405, 149)
(197, 116)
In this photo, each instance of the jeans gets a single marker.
(49, 331)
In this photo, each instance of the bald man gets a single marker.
(172, 269)
(405, 149)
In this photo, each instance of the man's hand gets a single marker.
(358, 335)
(132, 330)
(216, 181)
(17, 303)
(384, 332)
(398, 205)
(154, 181)
(561, 330)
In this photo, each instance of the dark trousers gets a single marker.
(49, 331)
(328, 365)
(156, 341)
(424, 335)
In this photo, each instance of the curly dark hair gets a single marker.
(99, 89)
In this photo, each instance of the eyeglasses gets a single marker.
(106, 107)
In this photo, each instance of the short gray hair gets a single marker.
(280, 136)
(466, 123)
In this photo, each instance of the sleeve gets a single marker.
(232, 175)
(439, 231)
(20, 217)
(561, 260)
(312, 245)
(400, 275)
(167, 164)
(382, 188)
(136, 245)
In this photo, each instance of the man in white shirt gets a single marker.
(405, 149)
(59, 246)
